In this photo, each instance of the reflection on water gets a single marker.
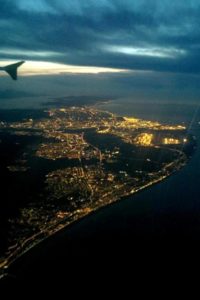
(170, 113)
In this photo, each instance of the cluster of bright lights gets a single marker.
(144, 139)
(171, 141)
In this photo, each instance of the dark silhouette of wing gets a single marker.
(12, 69)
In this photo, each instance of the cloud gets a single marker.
(152, 52)
(84, 33)
(38, 6)
(31, 68)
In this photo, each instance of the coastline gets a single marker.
(69, 221)
(74, 218)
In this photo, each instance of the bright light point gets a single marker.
(154, 52)
(185, 140)
(31, 68)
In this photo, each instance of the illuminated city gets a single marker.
(91, 158)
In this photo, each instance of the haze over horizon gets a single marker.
(146, 50)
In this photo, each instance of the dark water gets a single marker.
(164, 112)
(15, 115)
(156, 228)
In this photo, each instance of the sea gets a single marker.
(158, 227)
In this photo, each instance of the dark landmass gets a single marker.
(77, 101)
(58, 168)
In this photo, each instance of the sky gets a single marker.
(141, 49)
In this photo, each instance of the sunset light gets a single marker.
(31, 68)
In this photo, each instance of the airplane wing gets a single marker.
(12, 69)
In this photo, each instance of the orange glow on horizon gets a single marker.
(31, 68)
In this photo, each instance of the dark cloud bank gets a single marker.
(81, 31)
(165, 34)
